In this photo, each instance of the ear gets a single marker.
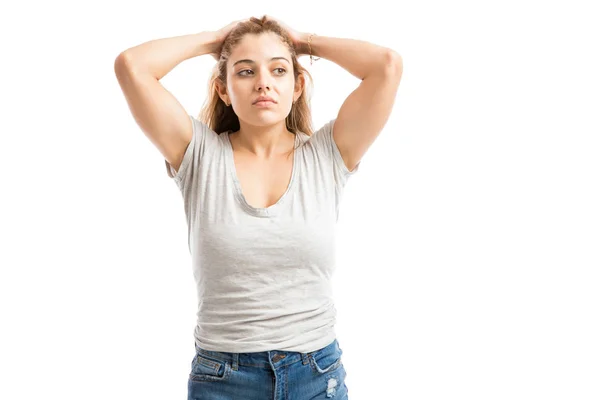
(222, 91)
(299, 87)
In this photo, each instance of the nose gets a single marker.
(264, 81)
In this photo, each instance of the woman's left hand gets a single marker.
(298, 38)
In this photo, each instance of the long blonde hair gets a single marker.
(221, 118)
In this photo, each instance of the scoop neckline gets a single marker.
(273, 209)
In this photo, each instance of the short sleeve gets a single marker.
(323, 140)
(193, 153)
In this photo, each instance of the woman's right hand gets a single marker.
(222, 35)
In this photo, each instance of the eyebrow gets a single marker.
(253, 62)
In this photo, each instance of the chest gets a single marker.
(263, 182)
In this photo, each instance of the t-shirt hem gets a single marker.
(252, 348)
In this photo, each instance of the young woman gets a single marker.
(261, 193)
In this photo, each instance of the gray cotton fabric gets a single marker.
(263, 275)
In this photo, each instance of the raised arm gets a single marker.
(366, 110)
(157, 112)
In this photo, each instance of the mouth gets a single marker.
(264, 103)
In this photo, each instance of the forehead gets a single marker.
(259, 48)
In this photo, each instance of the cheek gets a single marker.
(238, 89)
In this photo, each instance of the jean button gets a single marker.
(278, 357)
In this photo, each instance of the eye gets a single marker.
(244, 70)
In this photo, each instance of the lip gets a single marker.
(263, 99)
(264, 103)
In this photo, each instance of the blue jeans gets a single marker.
(268, 375)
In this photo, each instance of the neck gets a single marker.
(263, 141)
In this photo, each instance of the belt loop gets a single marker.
(235, 361)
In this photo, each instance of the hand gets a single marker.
(221, 34)
(298, 38)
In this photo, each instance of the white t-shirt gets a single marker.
(263, 275)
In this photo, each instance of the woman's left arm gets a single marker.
(366, 110)
(358, 57)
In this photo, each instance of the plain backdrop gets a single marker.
(468, 244)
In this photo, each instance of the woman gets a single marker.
(261, 193)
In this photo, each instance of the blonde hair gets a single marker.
(221, 118)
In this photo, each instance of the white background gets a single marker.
(468, 243)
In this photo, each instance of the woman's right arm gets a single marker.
(156, 111)
(158, 57)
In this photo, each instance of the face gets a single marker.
(261, 65)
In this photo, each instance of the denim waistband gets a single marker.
(265, 359)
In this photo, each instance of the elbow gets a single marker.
(122, 62)
(394, 61)
(393, 64)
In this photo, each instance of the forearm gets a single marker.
(158, 57)
(358, 57)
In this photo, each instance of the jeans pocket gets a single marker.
(326, 361)
(205, 368)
